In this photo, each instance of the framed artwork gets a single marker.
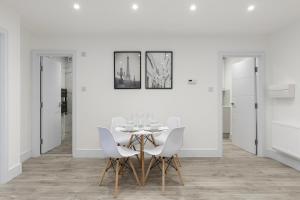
(159, 70)
(127, 70)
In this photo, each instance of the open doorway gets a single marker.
(56, 104)
(240, 103)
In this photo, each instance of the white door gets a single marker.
(51, 104)
(243, 104)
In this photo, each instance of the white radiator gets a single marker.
(286, 139)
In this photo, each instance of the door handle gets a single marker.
(232, 104)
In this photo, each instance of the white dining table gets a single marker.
(142, 134)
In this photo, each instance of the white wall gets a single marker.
(25, 94)
(227, 73)
(3, 114)
(227, 97)
(194, 57)
(284, 67)
(10, 22)
(229, 62)
(227, 94)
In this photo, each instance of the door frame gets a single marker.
(36, 95)
(260, 95)
(3, 106)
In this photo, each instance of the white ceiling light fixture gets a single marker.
(135, 6)
(193, 7)
(251, 8)
(76, 6)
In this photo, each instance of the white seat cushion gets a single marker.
(154, 151)
(126, 152)
(122, 140)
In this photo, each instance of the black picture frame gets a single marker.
(147, 59)
(120, 83)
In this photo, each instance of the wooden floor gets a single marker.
(238, 175)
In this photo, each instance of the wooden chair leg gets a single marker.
(153, 140)
(130, 145)
(163, 168)
(134, 172)
(117, 178)
(178, 171)
(108, 165)
(149, 168)
(121, 166)
(130, 141)
(178, 160)
(137, 155)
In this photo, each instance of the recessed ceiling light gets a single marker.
(76, 6)
(135, 6)
(251, 8)
(193, 7)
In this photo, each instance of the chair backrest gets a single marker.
(173, 122)
(117, 121)
(173, 143)
(108, 143)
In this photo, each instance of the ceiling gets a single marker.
(224, 17)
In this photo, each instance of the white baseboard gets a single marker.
(14, 172)
(282, 158)
(98, 153)
(25, 156)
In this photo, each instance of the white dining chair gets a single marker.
(165, 154)
(119, 157)
(172, 122)
(120, 138)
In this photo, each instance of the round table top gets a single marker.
(142, 131)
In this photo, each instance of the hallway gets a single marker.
(65, 147)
